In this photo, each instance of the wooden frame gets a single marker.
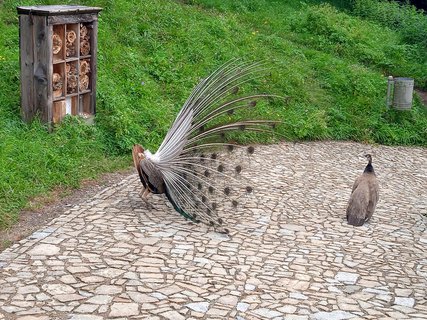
(58, 46)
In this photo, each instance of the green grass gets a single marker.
(151, 53)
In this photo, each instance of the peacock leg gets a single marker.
(141, 193)
(145, 192)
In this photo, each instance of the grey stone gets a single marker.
(57, 289)
(124, 309)
(68, 297)
(199, 306)
(28, 289)
(142, 297)
(347, 277)
(333, 315)
(298, 295)
(267, 313)
(86, 308)
(108, 289)
(407, 302)
(100, 299)
(242, 306)
(86, 317)
(288, 309)
(173, 315)
(44, 249)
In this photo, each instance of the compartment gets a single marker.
(58, 43)
(58, 111)
(85, 105)
(58, 80)
(85, 39)
(72, 105)
(71, 40)
(84, 75)
(72, 79)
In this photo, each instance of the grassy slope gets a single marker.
(331, 64)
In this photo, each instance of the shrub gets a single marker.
(406, 19)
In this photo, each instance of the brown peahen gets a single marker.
(187, 160)
(364, 196)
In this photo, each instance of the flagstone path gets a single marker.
(290, 253)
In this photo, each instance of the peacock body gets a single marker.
(188, 164)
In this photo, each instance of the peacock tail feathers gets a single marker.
(193, 160)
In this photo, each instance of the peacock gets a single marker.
(188, 159)
(364, 196)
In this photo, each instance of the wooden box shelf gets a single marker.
(58, 47)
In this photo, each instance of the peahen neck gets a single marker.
(369, 168)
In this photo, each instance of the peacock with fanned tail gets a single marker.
(187, 160)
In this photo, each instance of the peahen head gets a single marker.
(369, 167)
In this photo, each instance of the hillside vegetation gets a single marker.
(331, 60)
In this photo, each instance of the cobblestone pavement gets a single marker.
(290, 255)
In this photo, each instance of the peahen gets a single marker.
(187, 160)
(364, 196)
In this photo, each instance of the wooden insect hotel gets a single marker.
(58, 47)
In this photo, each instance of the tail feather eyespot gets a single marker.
(252, 103)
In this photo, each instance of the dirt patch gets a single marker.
(54, 204)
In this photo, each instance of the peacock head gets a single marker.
(369, 157)
(137, 154)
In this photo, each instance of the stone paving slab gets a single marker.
(290, 253)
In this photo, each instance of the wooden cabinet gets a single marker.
(58, 47)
